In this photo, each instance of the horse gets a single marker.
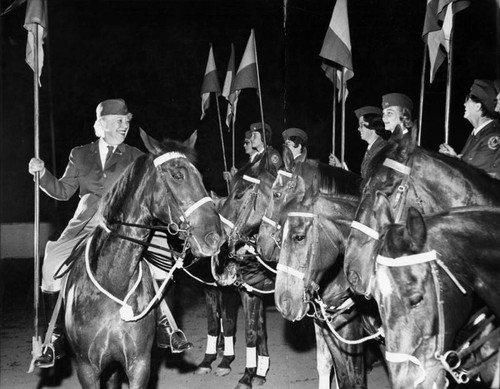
(410, 176)
(310, 269)
(431, 267)
(241, 213)
(109, 291)
(291, 183)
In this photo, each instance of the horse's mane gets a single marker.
(331, 180)
(401, 152)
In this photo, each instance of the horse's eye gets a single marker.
(415, 299)
(178, 175)
(276, 195)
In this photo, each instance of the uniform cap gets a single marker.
(485, 91)
(368, 109)
(294, 132)
(112, 107)
(258, 127)
(248, 134)
(397, 100)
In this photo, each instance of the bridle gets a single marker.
(126, 311)
(432, 259)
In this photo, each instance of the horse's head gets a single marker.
(312, 241)
(286, 187)
(382, 177)
(243, 209)
(410, 291)
(180, 196)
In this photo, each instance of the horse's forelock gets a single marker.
(172, 145)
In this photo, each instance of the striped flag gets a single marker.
(246, 76)
(210, 83)
(34, 20)
(226, 89)
(438, 25)
(337, 45)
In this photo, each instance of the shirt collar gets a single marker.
(479, 128)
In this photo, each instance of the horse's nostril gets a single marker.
(212, 239)
(353, 278)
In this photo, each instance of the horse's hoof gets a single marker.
(258, 380)
(222, 371)
(203, 370)
(243, 386)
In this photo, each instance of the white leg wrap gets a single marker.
(262, 365)
(211, 345)
(228, 345)
(251, 357)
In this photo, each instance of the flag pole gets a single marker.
(232, 136)
(448, 88)
(221, 137)
(260, 100)
(36, 224)
(334, 112)
(342, 122)
(422, 93)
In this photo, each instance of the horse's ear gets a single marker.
(288, 159)
(153, 146)
(382, 209)
(191, 141)
(416, 229)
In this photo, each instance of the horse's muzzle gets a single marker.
(213, 240)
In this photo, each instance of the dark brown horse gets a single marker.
(109, 290)
(410, 176)
(310, 274)
(427, 275)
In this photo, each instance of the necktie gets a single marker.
(109, 154)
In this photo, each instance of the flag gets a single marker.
(438, 24)
(226, 89)
(36, 19)
(246, 76)
(337, 45)
(210, 83)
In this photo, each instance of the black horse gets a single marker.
(109, 291)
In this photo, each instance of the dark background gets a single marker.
(153, 54)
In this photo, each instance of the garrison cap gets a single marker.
(397, 100)
(368, 109)
(294, 132)
(485, 91)
(112, 107)
(258, 127)
(248, 134)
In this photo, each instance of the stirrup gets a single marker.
(184, 343)
(47, 359)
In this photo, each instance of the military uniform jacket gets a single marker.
(85, 173)
(483, 150)
(376, 147)
(275, 161)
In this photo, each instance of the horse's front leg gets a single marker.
(228, 303)
(213, 329)
(262, 351)
(88, 376)
(138, 372)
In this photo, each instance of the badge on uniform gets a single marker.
(493, 142)
(275, 159)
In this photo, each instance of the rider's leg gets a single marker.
(167, 332)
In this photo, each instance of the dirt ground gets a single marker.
(291, 345)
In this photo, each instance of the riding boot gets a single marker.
(166, 337)
(56, 348)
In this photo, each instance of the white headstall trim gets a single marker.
(400, 358)
(226, 222)
(196, 205)
(301, 214)
(409, 260)
(251, 179)
(167, 157)
(265, 219)
(285, 173)
(288, 270)
(365, 229)
(397, 166)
